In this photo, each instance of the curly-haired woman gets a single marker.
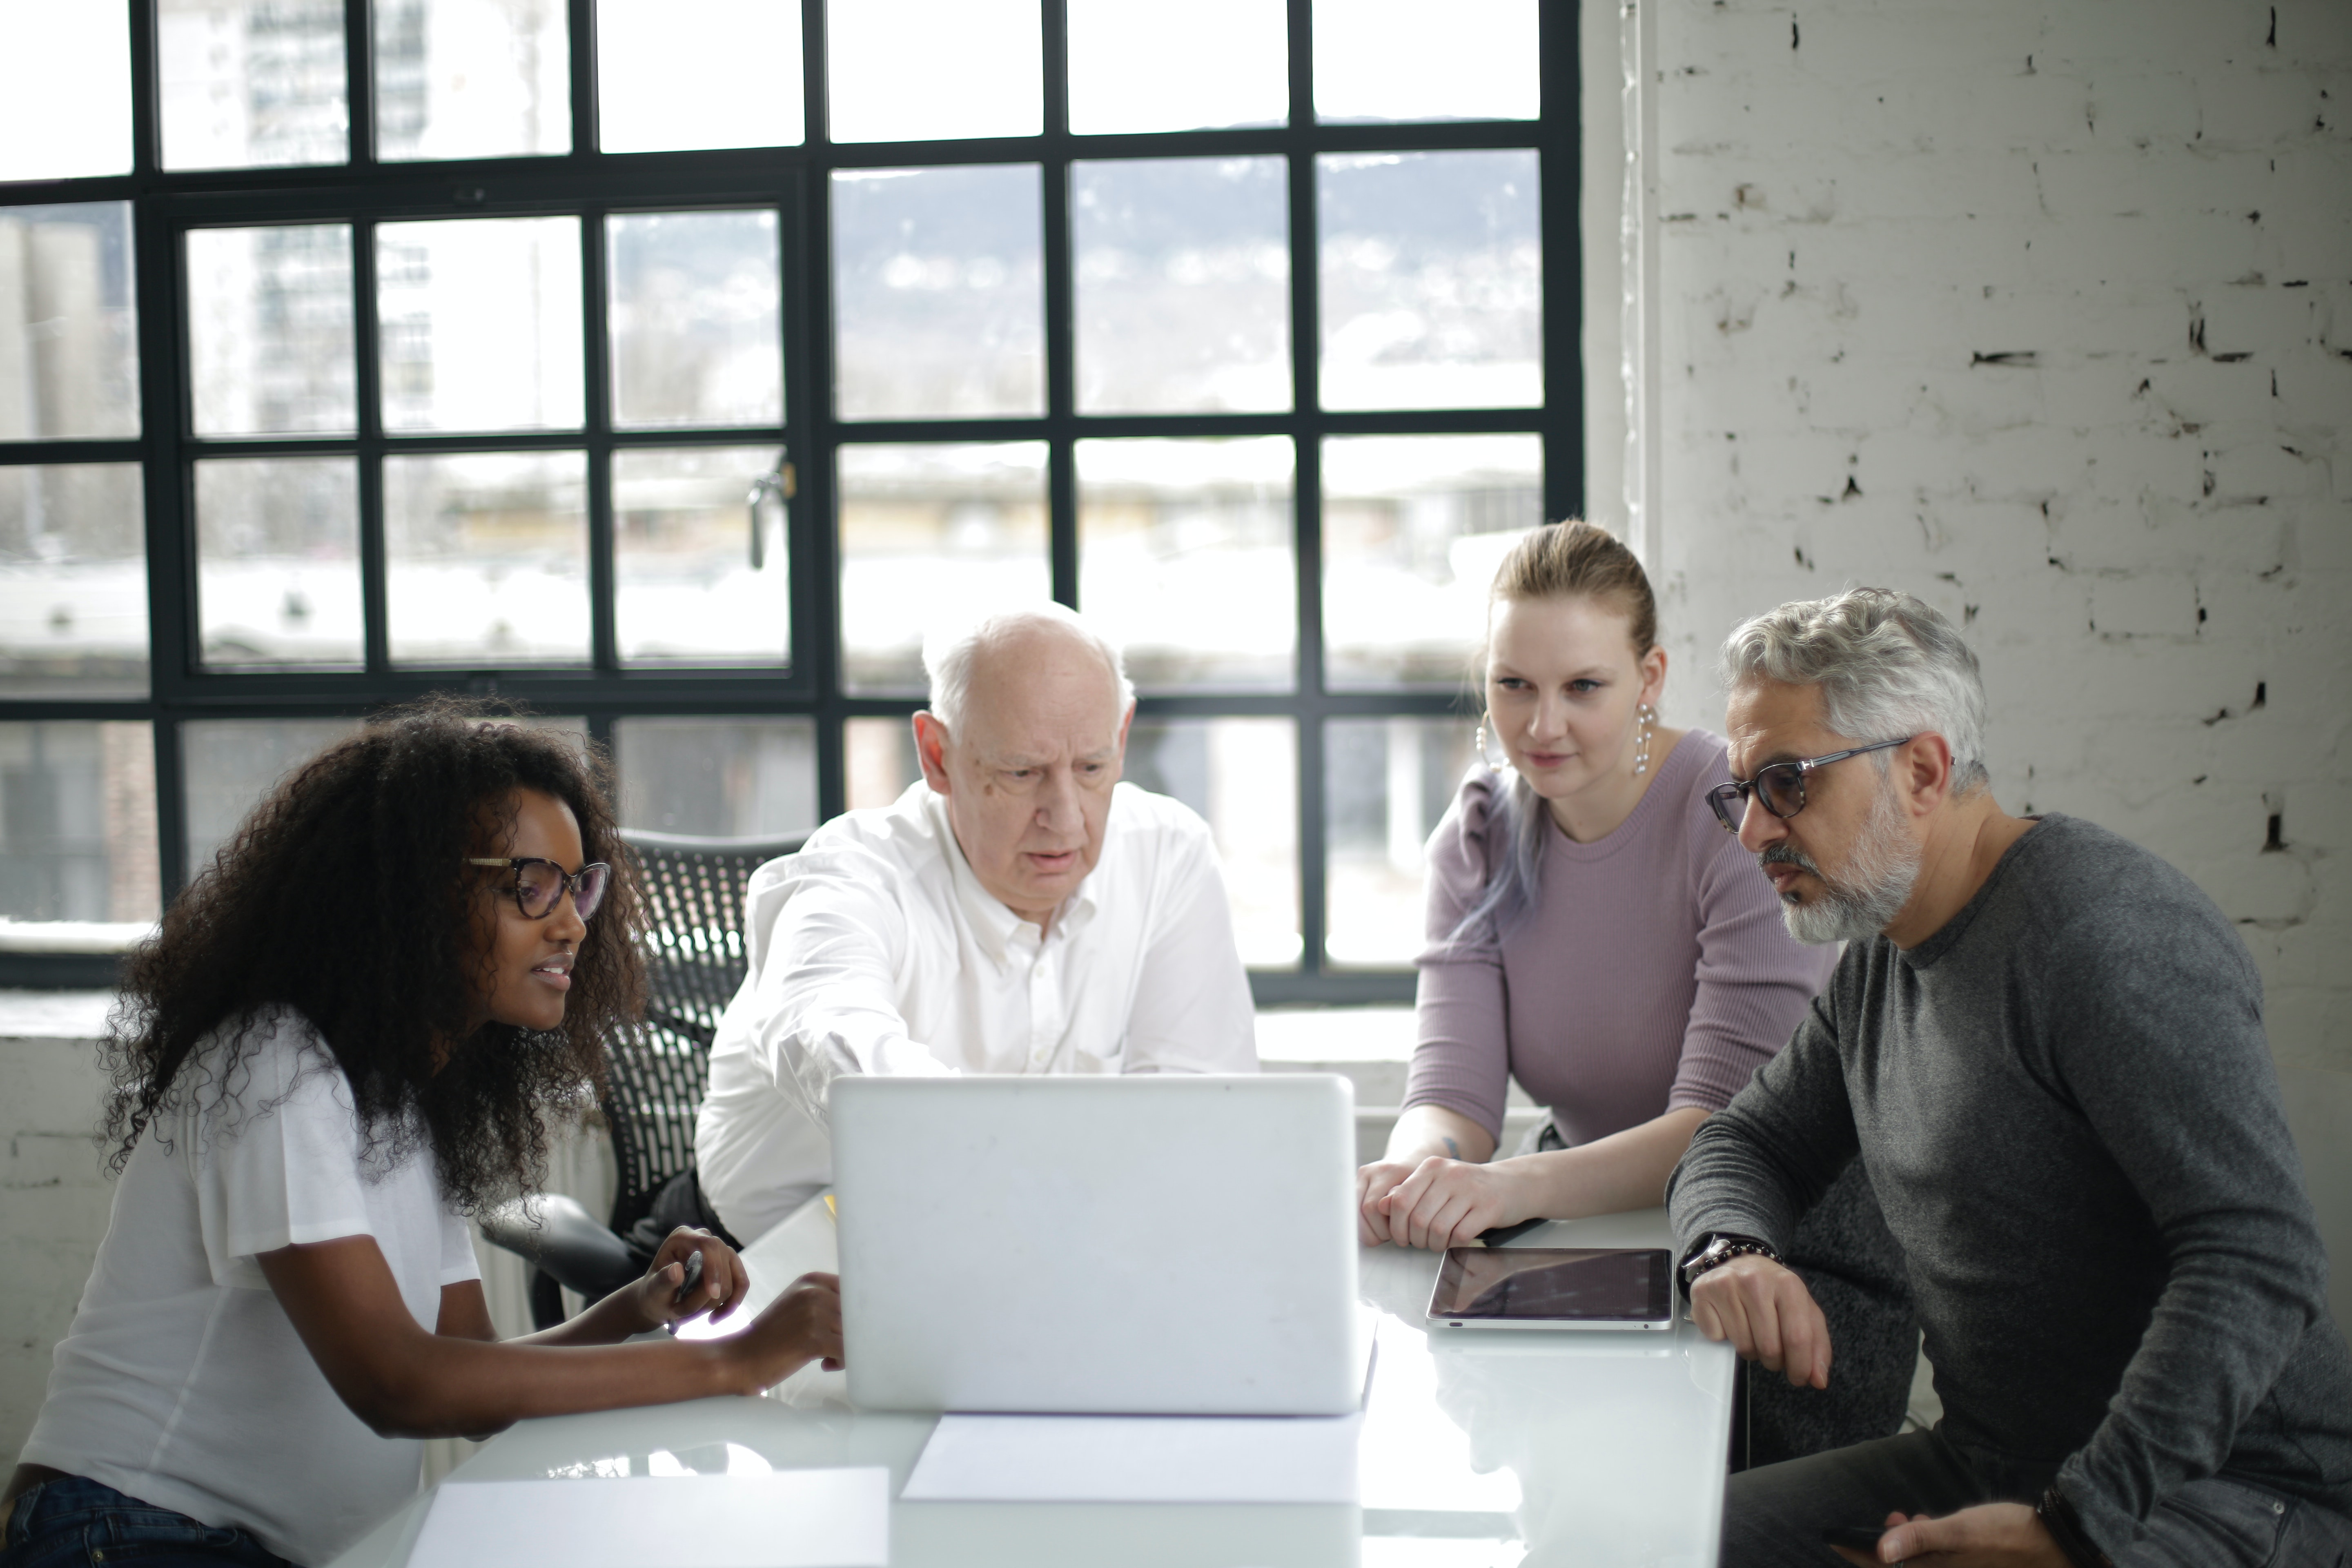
(347, 1036)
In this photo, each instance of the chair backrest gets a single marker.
(693, 890)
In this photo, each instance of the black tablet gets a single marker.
(1554, 1287)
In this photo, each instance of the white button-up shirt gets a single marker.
(876, 950)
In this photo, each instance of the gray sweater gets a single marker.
(2067, 1104)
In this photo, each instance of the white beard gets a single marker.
(1881, 868)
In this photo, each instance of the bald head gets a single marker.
(1008, 644)
(1026, 736)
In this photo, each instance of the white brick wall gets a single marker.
(54, 1196)
(2041, 310)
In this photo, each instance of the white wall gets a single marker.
(2041, 309)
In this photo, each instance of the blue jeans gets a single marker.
(75, 1522)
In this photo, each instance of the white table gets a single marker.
(1479, 1450)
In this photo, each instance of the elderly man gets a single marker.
(1018, 911)
(2046, 1047)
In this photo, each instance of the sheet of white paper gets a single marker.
(1138, 1459)
(792, 1518)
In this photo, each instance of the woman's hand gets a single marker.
(1373, 1182)
(721, 1282)
(802, 1325)
(1439, 1202)
(1991, 1535)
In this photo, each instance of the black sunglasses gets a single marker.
(1780, 786)
(539, 884)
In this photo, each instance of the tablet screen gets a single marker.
(1555, 1285)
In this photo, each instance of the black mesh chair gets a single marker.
(655, 1073)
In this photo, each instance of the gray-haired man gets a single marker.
(1018, 909)
(2046, 1047)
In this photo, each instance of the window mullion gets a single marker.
(809, 414)
(1061, 370)
(367, 364)
(1061, 463)
(585, 119)
(1306, 489)
(169, 520)
(359, 82)
(1560, 166)
(146, 92)
(604, 641)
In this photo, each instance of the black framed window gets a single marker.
(676, 373)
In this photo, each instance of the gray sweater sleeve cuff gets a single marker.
(2108, 1525)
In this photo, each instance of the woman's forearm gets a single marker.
(604, 1323)
(404, 1379)
(466, 1388)
(1624, 1171)
(1431, 1132)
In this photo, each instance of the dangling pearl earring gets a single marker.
(1485, 756)
(1647, 718)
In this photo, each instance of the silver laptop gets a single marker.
(1155, 1245)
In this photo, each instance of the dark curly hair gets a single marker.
(343, 896)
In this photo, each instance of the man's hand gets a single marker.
(1991, 1535)
(1436, 1203)
(1768, 1315)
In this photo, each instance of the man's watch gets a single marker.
(1721, 1248)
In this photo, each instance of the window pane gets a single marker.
(64, 93)
(921, 70)
(717, 778)
(487, 558)
(695, 583)
(1138, 68)
(78, 822)
(230, 764)
(73, 581)
(931, 536)
(277, 562)
(938, 293)
(721, 73)
(1183, 267)
(481, 325)
(1379, 59)
(68, 332)
(880, 753)
(696, 300)
(1385, 783)
(1432, 280)
(472, 79)
(269, 330)
(1185, 548)
(1242, 774)
(1413, 527)
(247, 83)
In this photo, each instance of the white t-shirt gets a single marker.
(876, 950)
(182, 1382)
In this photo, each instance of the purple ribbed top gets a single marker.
(1651, 972)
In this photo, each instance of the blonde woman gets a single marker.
(1597, 937)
